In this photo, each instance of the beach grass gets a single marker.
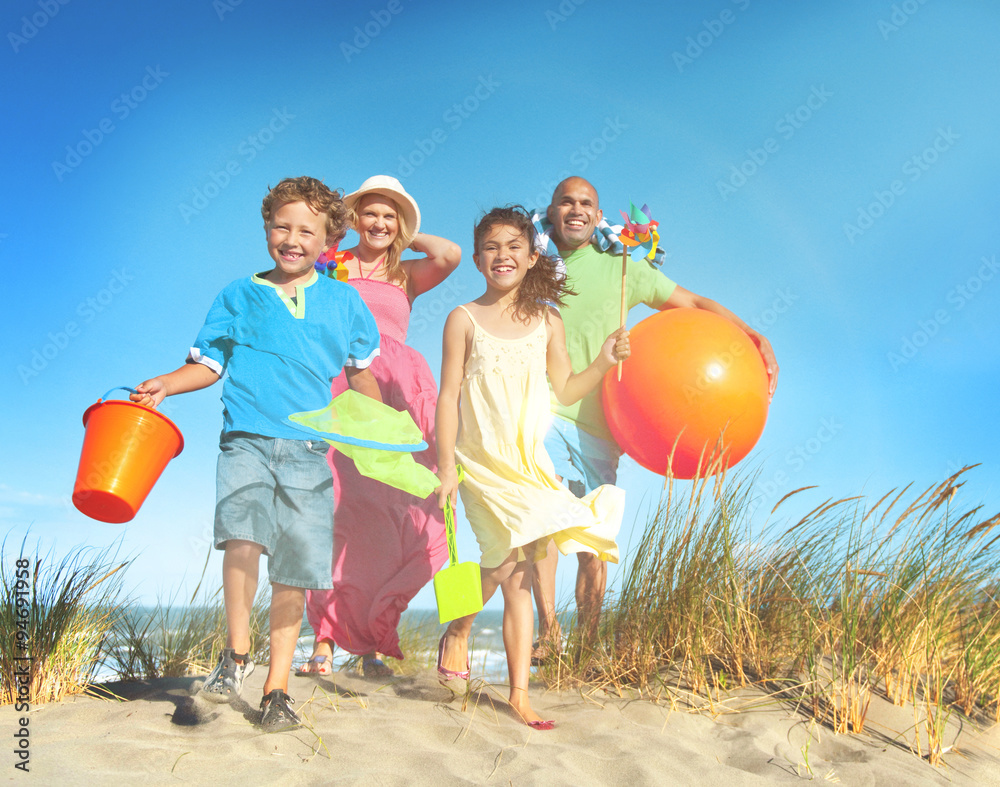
(821, 612)
(852, 599)
(56, 618)
(174, 640)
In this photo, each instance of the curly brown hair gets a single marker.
(542, 285)
(316, 195)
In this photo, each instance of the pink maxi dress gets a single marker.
(387, 544)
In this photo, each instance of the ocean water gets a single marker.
(486, 654)
(485, 644)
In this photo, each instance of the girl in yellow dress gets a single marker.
(492, 415)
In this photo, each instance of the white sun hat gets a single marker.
(388, 186)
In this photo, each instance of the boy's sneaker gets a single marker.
(226, 680)
(276, 715)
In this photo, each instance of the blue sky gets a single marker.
(827, 171)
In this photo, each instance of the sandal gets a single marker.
(373, 667)
(276, 712)
(444, 674)
(544, 651)
(542, 725)
(317, 665)
(225, 682)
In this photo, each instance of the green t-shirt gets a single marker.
(593, 314)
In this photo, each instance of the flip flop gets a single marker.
(317, 665)
(542, 725)
(446, 675)
(374, 667)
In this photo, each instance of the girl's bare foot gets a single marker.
(453, 673)
(522, 710)
(454, 653)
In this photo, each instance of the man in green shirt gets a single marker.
(579, 442)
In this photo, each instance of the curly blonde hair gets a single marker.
(325, 201)
(394, 254)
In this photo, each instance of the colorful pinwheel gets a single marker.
(332, 263)
(639, 232)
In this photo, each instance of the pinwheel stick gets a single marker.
(624, 312)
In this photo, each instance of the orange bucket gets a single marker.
(125, 449)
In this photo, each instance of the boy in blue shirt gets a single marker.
(281, 337)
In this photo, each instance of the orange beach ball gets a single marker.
(694, 378)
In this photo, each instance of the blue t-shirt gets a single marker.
(280, 354)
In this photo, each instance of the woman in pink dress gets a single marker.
(387, 544)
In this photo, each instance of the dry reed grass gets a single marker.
(56, 617)
(170, 641)
(896, 598)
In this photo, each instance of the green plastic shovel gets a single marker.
(458, 587)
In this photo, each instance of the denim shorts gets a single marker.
(278, 493)
(583, 460)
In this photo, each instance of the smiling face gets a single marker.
(504, 257)
(574, 214)
(296, 236)
(378, 222)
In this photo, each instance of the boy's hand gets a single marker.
(449, 486)
(150, 393)
(616, 348)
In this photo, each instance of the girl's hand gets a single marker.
(616, 348)
(150, 393)
(449, 486)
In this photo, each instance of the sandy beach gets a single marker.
(411, 730)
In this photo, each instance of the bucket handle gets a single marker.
(118, 388)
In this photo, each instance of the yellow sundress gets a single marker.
(510, 493)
